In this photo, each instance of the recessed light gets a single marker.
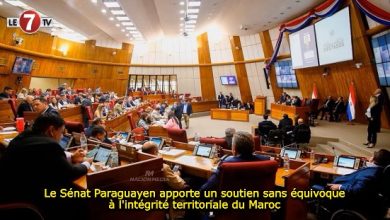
(181, 18)
(193, 16)
(123, 30)
(193, 10)
(117, 12)
(181, 25)
(194, 4)
(181, 3)
(127, 35)
(191, 22)
(131, 28)
(182, 11)
(94, 1)
(111, 18)
(127, 23)
(104, 11)
(111, 4)
(190, 26)
(1, 2)
(117, 25)
(123, 18)
(181, 29)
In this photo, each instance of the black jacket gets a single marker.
(265, 127)
(285, 122)
(23, 107)
(189, 108)
(50, 110)
(32, 163)
(4, 95)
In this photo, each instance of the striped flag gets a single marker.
(314, 94)
(351, 103)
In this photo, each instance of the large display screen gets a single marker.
(228, 80)
(334, 41)
(22, 65)
(285, 75)
(303, 48)
(381, 47)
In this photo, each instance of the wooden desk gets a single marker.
(229, 114)
(203, 106)
(260, 105)
(6, 135)
(6, 113)
(120, 123)
(72, 114)
(277, 112)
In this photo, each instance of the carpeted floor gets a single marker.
(354, 134)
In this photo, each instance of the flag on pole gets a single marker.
(314, 94)
(351, 103)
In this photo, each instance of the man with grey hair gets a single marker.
(243, 148)
(229, 132)
(25, 106)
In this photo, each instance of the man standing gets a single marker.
(178, 110)
(187, 111)
(220, 99)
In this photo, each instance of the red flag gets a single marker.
(314, 94)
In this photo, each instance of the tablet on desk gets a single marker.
(346, 162)
(122, 137)
(102, 155)
(203, 150)
(292, 153)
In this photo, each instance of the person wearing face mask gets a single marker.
(34, 162)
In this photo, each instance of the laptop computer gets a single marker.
(122, 137)
(292, 153)
(66, 141)
(157, 140)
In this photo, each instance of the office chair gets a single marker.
(264, 132)
(302, 138)
(275, 137)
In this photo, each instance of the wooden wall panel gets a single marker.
(242, 76)
(268, 51)
(89, 73)
(342, 74)
(206, 72)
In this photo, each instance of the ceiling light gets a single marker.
(181, 25)
(181, 18)
(111, 4)
(94, 1)
(193, 16)
(16, 3)
(111, 18)
(134, 32)
(117, 12)
(190, 26)
(191, 22)
(104, 11)
(181, 29)
(1, 2)
(193, 4)
(123, 18)
(117, 25)
(127, 35)
(127, 23)
(182, 11)
(131, 28)
(181, 3)
(123, 30)
(193, 11)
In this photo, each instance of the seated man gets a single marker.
(326, 107)
(173, 178)
(302, 132)
(362, 187)
(25, 106)
(243, 148)
(34, 161)
(339, 108)
(6, 94)
(285, 123)
(265, 127)
(229, 133)
(98, 133)
(41, 106)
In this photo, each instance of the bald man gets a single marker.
(173, 178)
(301, 128)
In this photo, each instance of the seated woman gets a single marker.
(118, 108)
(143, 122)
(156, 116)
(172, 122)
(55, 104)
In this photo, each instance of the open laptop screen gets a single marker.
(157, 140)
(204, 150)
(347, 162)
(65, 141)
(102, 155)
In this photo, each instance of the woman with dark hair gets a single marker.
(55, 104)
(172, 122)
(143, 122)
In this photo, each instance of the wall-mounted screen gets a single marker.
(334, 41)
(303, 48)
(22, 65)
(381, 47)
(285, 75)
(228, 80)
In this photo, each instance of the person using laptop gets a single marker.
(35, 161)
(173, 178)
(243, 148)
(98, 133)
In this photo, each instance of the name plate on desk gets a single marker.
(173, 153)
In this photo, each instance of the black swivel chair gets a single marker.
(264, 132)
(275, 138)
(302, 137)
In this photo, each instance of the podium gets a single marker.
(260, 105)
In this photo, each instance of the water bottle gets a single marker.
(286, 162)
(83, 142)
(114, 160)
(196, 137)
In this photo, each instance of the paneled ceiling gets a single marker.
(153, 19)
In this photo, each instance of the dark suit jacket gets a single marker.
(77, 100)
(189, 108)
(62, 101)
(374, 123)
(4, 95)
(32, 163)
(213, 181)
(51, 111)
(24, 106)
(265, 126)
(178, 110)
(361, 181)
(339, 107)
(285, 122)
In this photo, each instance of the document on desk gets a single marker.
(344, 171)
(172, 152)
